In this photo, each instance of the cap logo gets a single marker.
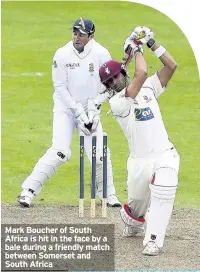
(81, 23)
(107, 71)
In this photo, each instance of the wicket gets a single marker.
(81, 196)
(93, 176)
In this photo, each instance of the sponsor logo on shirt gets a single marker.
(143, 114)
(147, 99)
(91, 67)
(73, 65)
(153, 237)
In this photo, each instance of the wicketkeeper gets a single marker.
(153, 163)
(75, 74)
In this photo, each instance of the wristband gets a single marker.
(151, 43)
(159, 51)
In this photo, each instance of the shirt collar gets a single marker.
(87, 49)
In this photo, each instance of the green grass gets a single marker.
(31, 32)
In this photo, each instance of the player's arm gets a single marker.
(134, 50)
(104, 56)
(140, 75)
(102, 95)
(170, 65)
(60, 83)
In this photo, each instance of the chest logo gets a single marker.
(72, 65)
(144, 114)
(91, 67)
(147, 99)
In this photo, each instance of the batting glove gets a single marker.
(130, 49)
(130, 43)
(81, 119)
(141, 35)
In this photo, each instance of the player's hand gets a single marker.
(132, 40)
(130, 49)
(81, 119)
(93, 114)
(82, 124)
(129, 43)
(141, 35)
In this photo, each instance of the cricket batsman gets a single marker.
(153, 162)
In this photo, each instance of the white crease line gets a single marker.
(23, 74)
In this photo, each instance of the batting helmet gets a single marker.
(109, 69)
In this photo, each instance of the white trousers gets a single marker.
(140, 174)
(152, 184)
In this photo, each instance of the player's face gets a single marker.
(80, 40)
(117, 82)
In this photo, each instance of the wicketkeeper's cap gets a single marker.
(85, 26)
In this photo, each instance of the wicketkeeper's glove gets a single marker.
(81, 119)
(93, 114)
